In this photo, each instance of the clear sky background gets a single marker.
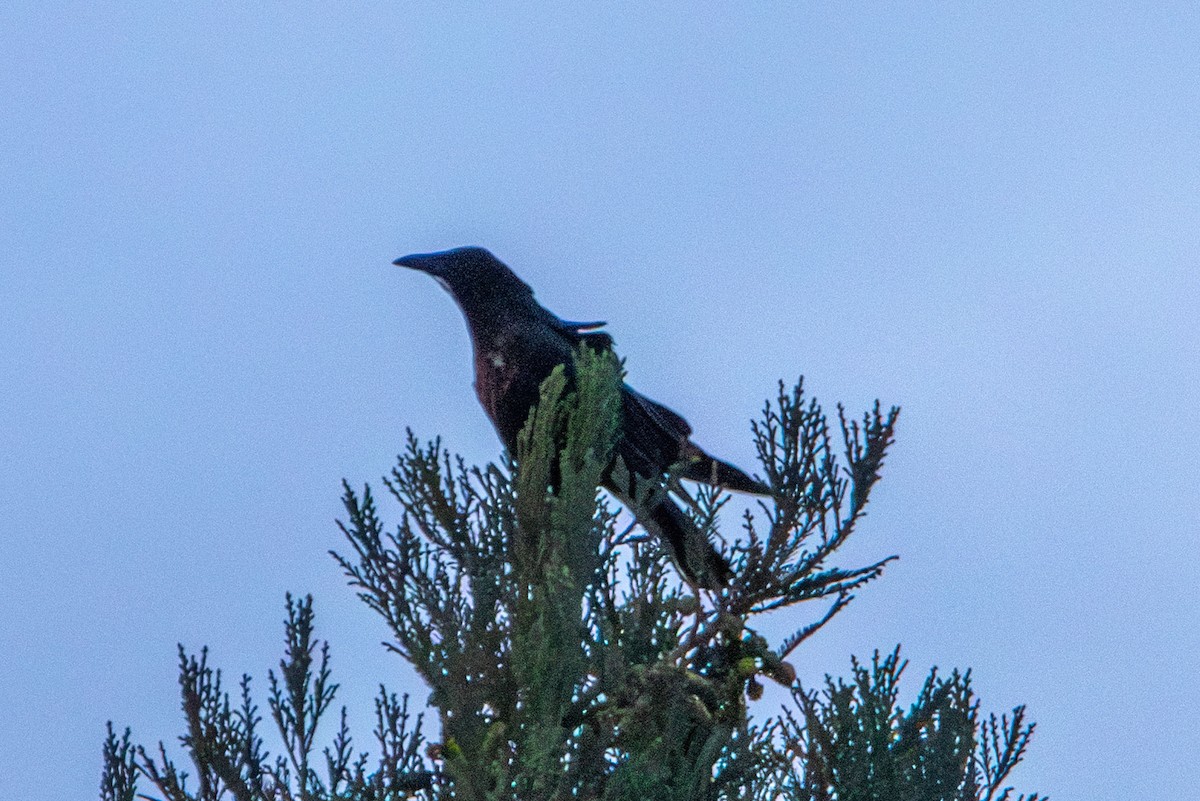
(986, 213)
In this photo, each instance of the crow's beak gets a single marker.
(425, 262)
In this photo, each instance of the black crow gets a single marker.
(518, 343)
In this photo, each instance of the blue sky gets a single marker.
(986, 213)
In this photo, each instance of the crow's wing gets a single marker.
(576, 328)
(576, 333)
(585, 333)
(662, 437)
(670, 423)
(653, 436)
(711, 470)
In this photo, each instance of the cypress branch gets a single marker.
(565, 657)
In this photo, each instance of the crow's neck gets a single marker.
(496, 318)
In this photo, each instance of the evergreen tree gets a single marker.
(565, 658)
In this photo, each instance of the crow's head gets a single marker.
(472, 275)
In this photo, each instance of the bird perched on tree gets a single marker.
(518, 343)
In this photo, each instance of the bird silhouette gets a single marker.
(518, 343)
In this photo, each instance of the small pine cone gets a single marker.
(784, 673)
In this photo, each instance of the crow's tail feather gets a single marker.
(711, 470)
(697, 559)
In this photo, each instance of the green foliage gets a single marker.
(854, 743)
(227, 752)
(566, 659)
(119, 780)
